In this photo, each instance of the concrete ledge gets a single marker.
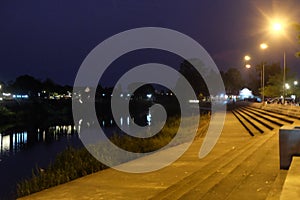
(289, 144)
(291, 187)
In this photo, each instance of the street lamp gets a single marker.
(278, 28)
(287, 86)
(295, 83)
(246, 59)
(263, 46)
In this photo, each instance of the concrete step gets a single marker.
(256, 122)
(233, 175)
(267, 124)
(291, 187)
(198, 183)
(275, 191)
(292, 120)
(255, 176)
(271, 119)
(248, 124)
(272, 114)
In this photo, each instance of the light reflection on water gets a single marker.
(125, 121)
(11, 143)
(23, 149)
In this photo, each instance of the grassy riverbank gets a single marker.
(36, 112)
(74, 163)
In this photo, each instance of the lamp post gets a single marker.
(295, 88)
(284, 66)
(278, 28)
(263, 46)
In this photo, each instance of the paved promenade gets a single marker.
(240, 166)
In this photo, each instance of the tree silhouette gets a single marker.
(297, 28)
(27, 85)
(233, 81)
(194, 77)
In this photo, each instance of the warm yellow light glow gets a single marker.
(295, 82)
(277, 26)
(263, 46)
(287, 86)
(248, 66)
(247, 57)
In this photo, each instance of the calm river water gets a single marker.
(23, 149)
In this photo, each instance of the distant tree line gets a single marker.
(27, 84)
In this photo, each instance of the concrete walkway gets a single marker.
(239, 167)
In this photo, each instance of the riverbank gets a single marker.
(72, 164)
(237, 168)
(35, 113)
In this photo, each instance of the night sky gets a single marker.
(52, 38)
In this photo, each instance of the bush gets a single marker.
(68, 165)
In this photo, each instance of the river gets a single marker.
(24, 149)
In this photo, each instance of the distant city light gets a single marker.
(20, 96)
(6, 94)
(149, 95)
(193, 101)
(87, 89)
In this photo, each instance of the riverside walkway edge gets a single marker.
(246, 178)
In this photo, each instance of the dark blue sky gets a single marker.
(52, 38)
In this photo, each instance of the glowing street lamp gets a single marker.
(295, 83)
(263, 46)
(247, 58)
(278, 28)
(287, 86)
